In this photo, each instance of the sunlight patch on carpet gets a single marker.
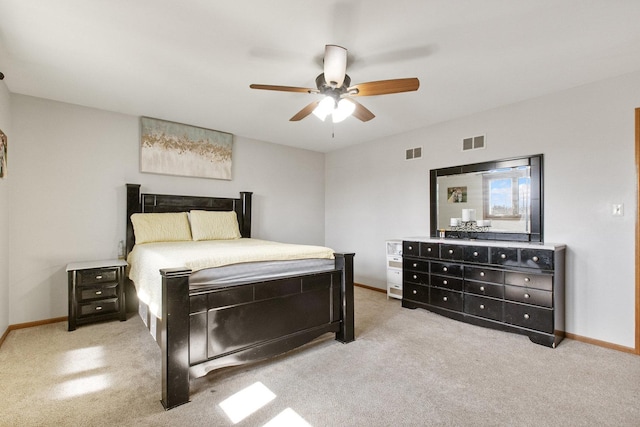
(247, 401)
(289, 418)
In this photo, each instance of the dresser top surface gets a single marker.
(491, 243)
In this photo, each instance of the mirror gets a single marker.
(498, 200)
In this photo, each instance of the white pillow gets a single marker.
(211, 225)
(161, 227)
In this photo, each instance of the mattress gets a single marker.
(220, 263)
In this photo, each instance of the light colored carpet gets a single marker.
(406, 367)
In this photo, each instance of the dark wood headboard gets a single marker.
(150, 203)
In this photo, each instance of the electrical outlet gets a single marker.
(617, 209)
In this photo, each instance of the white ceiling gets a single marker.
(191, 61)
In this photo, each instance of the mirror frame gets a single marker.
(537, 198)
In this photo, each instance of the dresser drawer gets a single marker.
(109, 290)
(429, 250)
(529, 296)
(410, 248)
(96, 275)
(444, 298)
(415, 265)
(537, 258)
(455, 270)
(484, 274)
(504, 256)
(527, 316)
(452, 252)
(483, 307)
(538, 281)
(478, 254)
(414, 292)
(98, 308)
(415, 277)
(447, 282)
(482, 288)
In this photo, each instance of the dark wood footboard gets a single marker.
(209, 329)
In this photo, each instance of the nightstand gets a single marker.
(96, 291)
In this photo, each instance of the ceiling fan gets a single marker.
(335, 86)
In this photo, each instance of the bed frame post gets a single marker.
(245, 226)
(174, 337)
(344, 262)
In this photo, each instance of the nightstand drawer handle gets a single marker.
(526, 279)
(527, 296)
(503, 256)
(98, 277)
(535, 259)
(99, 307)
(98, 292)
(526, 316)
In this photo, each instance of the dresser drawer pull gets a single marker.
(450, 251)
(481, 306)
(535, 259)
(99, 308)
(503, 256)
(527, 296)
(98, 277)
(444, 298)
(475, 254)
(526, 279)
(482, 274)
(98, 292)
(415, 264)
(415, 292)
(445, 269)
(415, 276)
(428, 249)
(444, 282)
(482, 288)
(410, 248)
(526, 316)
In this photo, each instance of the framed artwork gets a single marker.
(456, 194)
(3, 154)
(170, 148)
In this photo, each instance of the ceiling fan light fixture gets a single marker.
(344, 109)
(324, 108)
(335, 65)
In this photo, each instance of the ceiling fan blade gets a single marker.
(284, 88)
(384, 87)
(335, 65)
(361, 112)
(304, 112)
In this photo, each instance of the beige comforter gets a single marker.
(147, 259)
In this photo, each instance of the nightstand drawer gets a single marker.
(96, 275)
(98, 308)
(109, 290)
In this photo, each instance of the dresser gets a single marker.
(96, 291)
(511, 286)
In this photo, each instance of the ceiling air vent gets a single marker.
(413, 153)
(473, 143)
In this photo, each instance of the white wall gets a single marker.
(4, 213)
(587, 137)
(69, 165)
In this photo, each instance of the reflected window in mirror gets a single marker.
(506, 193)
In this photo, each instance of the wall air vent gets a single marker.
(473, 143)
(413, 153)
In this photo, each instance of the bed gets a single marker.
(210, 318)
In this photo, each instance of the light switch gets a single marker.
(618, 209)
